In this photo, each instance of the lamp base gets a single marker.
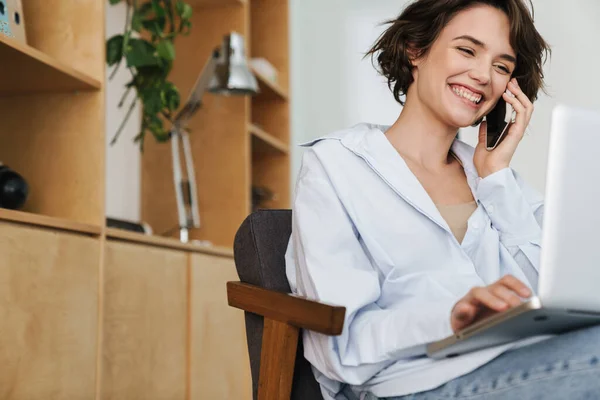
(184, 235)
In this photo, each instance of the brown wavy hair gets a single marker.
(421, 23)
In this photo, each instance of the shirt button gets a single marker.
(490, 209)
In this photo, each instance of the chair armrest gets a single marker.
(283, 307)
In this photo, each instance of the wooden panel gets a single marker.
(283, 307)
(56, 141)
(272, 171)
(48, 313)
(270, 35)
(263, 142)
(50, 222)
(70, 31)
(167, 243)
(220, 368)
(27, 70)
(145, 323)
(278, 353)
(219, 139)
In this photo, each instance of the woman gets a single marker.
(418, 234)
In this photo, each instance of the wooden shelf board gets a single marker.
(166, 242)
(269, 89)
(263, 142)
(48, 222)
(216, 3)
(28, 70)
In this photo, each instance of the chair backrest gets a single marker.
(259, 250)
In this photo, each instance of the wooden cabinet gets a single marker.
(145, 323)
(48, 313)
(220, 368)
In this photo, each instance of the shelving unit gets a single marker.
(87, 310)
(237, 142)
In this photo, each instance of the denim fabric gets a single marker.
(565, 367)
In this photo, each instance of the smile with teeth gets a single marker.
(461, 91)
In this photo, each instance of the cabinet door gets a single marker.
(220, 368)
(48, 313)
(145, 323)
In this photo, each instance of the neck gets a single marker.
(419, 136)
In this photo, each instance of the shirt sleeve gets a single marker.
(516, 211)
(332, 267)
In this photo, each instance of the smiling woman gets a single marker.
(420, 235)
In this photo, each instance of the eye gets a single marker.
(503, 68)
(466, 50)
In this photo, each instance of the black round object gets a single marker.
(13, 189)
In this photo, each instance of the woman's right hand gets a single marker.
(482, 302)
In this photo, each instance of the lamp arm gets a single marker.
(194, 101)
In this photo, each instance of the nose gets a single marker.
(480, 73)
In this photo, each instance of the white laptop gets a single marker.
(569, 282)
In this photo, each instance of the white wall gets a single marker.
(123, 158)
(334, 88)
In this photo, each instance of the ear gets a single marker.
(413, 55)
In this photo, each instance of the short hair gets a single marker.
(422, 21)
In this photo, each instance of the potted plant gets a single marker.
(146, 49)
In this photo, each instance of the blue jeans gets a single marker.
(565, 367)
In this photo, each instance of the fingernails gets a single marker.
(500, 304)
(525, 292)
(508, 92)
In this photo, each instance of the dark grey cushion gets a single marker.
(259, 249)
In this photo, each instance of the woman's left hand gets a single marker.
(488, 162)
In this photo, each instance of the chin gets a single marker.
(462, 121)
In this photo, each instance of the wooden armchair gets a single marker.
(274, 318)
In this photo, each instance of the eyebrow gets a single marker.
(479, 43)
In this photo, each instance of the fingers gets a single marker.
(463, 315)
(482, 133)
(516, 285)
(515, 89)
(485, 297)
(521, 104)
(507, 295)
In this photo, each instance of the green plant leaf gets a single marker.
(113, 2)
(141, 53)
(171, 96)
(159, 11)
(155, 26)
(144, 9)
(184, 10)
(152, 101)
(155, 125)
(114, 49)
(166, 50)
(136, 22)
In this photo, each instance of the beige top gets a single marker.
(457, 216)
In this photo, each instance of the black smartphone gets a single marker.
(498, 121)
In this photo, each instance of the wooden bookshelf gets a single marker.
(82, 304)
(52, 110)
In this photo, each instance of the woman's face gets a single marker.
(468, 67)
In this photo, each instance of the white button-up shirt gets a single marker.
(367, 236)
